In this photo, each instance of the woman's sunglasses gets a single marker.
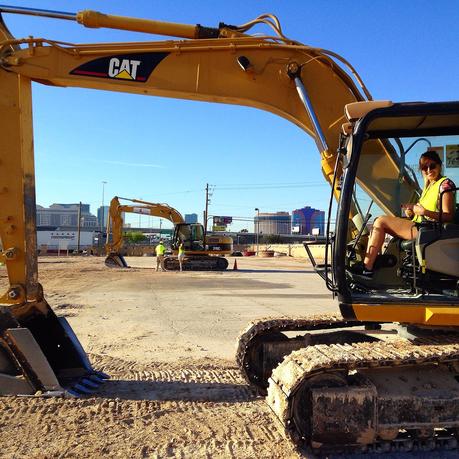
(431, 166)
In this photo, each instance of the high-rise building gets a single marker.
(191, 218)
(306, 219)
(273, 223)
(102, 216)
(65, 215)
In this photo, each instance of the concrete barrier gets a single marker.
(295, 250)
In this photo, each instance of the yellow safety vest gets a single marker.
(160, 249)
(181, 249)
(429, 199)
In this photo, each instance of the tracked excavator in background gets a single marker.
(384, 373)
(203, 252)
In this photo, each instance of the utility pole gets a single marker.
(207, 209)
(258, 228)
(140, 219)
(206, 212)
(79, 229)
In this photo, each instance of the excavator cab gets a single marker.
(191, 234)
(423, 269)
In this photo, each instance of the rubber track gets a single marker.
(287, 378)
(261, 326)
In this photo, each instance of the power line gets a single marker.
(264, 184)
(179, 192)
(271, 205)
(270, 187)
(251, 186)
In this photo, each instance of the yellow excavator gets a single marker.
(384, 374)
(203, 252)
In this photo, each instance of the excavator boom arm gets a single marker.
(261, 72)
(115, 220)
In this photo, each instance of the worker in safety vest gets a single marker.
(160, 250)
(181, 255)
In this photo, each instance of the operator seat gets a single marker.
(438, 245)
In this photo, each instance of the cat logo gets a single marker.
(126, 67)
(123, 68)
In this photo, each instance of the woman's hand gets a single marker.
(409, 213)
(419, 210)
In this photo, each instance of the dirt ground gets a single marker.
(168, 341)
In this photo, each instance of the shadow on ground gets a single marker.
(273, 295)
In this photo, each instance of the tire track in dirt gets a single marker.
(97, 427)
(154, 411)
(204, 382)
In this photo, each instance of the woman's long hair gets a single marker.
(430, 155)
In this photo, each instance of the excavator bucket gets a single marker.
(40, 354)
(115, 260)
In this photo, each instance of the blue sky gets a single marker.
(166, 150)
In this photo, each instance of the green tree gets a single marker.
(134, 237)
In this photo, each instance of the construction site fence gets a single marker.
(140, 250)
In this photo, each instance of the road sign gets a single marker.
(218, 220)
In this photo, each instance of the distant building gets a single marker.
(191, 218)
(307, 218)
(54, 240)
(65, 215)
(273, 223)
(102, 216)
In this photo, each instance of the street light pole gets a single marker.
(257, 227)
(102, 219)
(140, 219)
(79, 228)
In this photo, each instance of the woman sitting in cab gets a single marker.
(425, 210)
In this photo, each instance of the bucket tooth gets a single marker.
(96, 379)
(73, 393)
(89, 383)
(80, 388)
(101, 374)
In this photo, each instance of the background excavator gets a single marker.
(383, 375)
(202, 251)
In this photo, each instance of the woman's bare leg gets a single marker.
(394, 226)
